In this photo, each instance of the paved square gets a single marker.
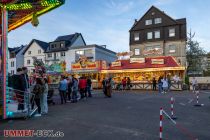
(128, 115)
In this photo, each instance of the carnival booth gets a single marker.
(141, 71)
(86, 68)
(16, 13)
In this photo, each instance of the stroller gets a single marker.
(50, 97)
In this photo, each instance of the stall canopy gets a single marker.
(145, 64)
(23, 11)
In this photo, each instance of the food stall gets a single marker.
(87, 68)
(141, 71)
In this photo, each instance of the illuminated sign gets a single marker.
(116, 64)
(137, 60)
(153, 51)
(88, 65)
(157, 61)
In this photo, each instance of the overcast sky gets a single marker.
(107, 22)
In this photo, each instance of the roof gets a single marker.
(69, 40)
(66, 37)
(22, 11)
(42, 44)
(178, 21)
(16, 50)
(169, 61)
(93, 45)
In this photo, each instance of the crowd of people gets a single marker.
(70, 86)
(26, 97)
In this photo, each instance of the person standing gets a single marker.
(128, 83)
(43, 98)
(109, 88)
(82, 87)
(169, 83)
(89, 85)
(154, 83)
(38, 91)
(194, 84)
(63, 85)
(124, 83)
(165, 84)
(19, 88)
(74, 89)
(26, 86)
(160, 84)
(69, 89)
(104, 86)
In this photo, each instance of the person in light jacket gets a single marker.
(165, 84)
(43, 98)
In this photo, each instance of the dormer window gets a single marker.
(148, 22)
(53, 46)
(158, 20)
(61, 45)
(136, 36)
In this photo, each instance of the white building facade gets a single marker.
(16, 59)
(36, 48)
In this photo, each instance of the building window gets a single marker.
(29, 52)
(49, 55)
(62, 45)
(39, 51)
(89, 53)
(157, 34)
(12, 72)
(149, 35)
(53, 46)
(78, 54)
(172, 48)
(28, 62)
(158, 20)
(136, 51)
(12, 63)
(63, 54)
(136, 36)
(172, 32)
(148, 22)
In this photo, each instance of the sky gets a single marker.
(107, 22)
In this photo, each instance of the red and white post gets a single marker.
(161, 123)
(172, 109)
(197, 99)
(172, 106)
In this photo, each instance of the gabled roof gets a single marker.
(42, 44)
(153, 7)
(16, 50)
(69, 41)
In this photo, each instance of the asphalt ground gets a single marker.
(128, 115)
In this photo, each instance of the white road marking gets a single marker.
(190, 101)
(182, 104)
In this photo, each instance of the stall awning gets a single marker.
(162, 63)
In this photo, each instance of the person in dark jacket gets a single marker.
(18, 86)
(38, 91)
(154, 83)
(89, 84)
